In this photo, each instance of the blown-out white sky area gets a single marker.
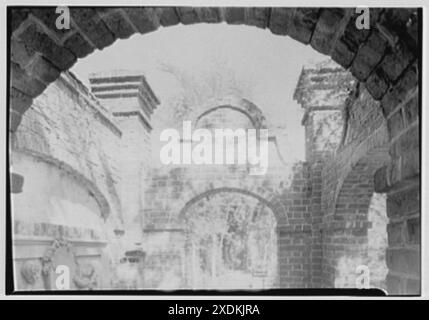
(270, 63)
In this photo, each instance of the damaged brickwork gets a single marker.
(373, 118)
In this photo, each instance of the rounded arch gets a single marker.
(274, 205)
(80, 178)
(362, 219)
(356, 190)
(270, 272)
(249, 109)
(39, 51)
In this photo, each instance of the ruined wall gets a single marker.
(69, 126)
(174, 191)
(404, 230)
(328, 222)
(385, 58)
(348, 179)
(171, 192)
(72, 187)
(364, 134)
(130, 101)
(346, 142)
(322, 90)
(55, 205)
(401, 182)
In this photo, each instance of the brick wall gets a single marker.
(106, 155)
(385, 59)
(403, 254)
(173, 192)
(378, 56)
(352, 230)
(72, 183)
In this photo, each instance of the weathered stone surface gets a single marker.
(329, 25)
(77, 44)
(397, 32)
(35, 38)
(413, 287)
(403, 203)
(352, 36)
(394, 24)
(396, 234)
(117, 23)
(413, 31)
(280, 19)
(209, 15)
(144, 19)
(19, 101)
(23, 82)
(188, 15)
(298, 23)
(48, 17)
(342, 54)
(368, 56)
(43, 70)
(413, 231)
(380, 180)
(408, 140)
(304, 22)
(395, 124)
(258, 17)
(18, 15)
(14, 120)
(71, 121)
(377, 84)
(235, 15)
(399, 92)
(403, 260)
(396, 60)
(394, 284)
(410, 163)
(92, 26)
(412, 109)
(20, 53)
(167, 16)
(16, 183)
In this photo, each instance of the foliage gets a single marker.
(196, 89)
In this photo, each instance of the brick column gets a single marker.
(401, 182)
(403, 253)
(131, 101)
(322, 91)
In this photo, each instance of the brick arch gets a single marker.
(350, 223)
(249, 109)
(356, 190)
(268, 199)
(383, 57)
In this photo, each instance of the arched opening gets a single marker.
(215, 109)
(231, 243)
(329, 30)
(361, 260)
(383, 59)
